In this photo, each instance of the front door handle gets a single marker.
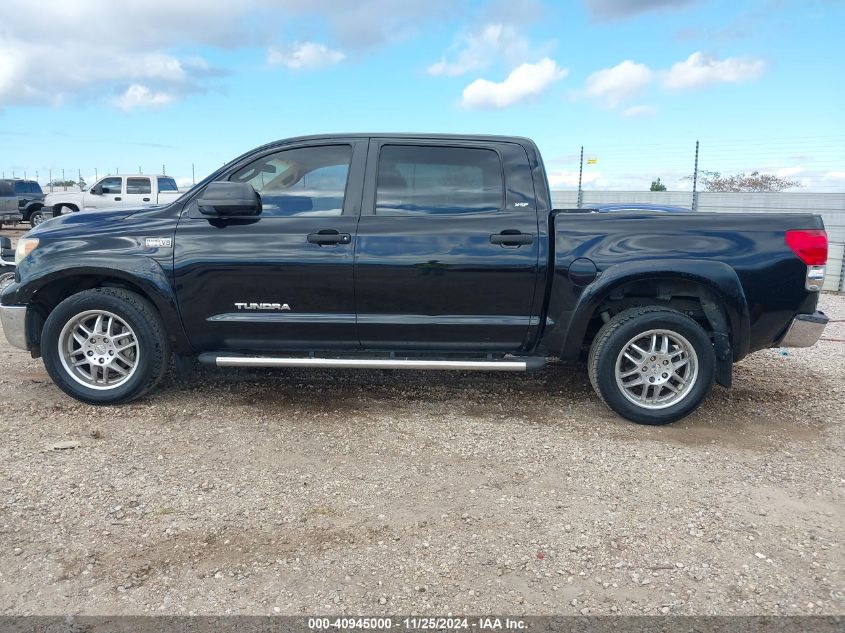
(329, 236)
(511, 237)
(146, 199)
(117, 198)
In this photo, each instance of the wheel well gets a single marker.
(53, 293)
(688, 297)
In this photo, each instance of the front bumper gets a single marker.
(13, 319)
(10, 218)
(805, 330)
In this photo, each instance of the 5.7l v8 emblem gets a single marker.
(262, 306)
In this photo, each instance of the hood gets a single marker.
(78, 221)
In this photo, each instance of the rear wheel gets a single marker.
(36, 218)
(105, 346)
(652, 365)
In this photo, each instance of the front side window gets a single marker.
(307, 181)
(111, 185)
(34, 187)
(138, 185)
(6, 188)
(418, 180)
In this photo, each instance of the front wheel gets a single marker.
(105, 346)
(652, 365)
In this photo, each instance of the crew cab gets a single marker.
(417, 252)
(109, 192)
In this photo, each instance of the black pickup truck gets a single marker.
(418, 252)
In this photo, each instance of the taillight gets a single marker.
(809, 244)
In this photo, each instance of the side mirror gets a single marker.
(96, 190)
(230, 199)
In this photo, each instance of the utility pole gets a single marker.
(580, 173)
(163, 171)
(50, 172)
(96, 176)
(193, 175)
(695, 179)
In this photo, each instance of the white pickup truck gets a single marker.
(110, 192)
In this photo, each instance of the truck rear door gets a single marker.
(447, 249)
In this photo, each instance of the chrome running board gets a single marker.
(508, 364)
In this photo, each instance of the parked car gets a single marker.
(110, 192)
(9, 211)
(415, 252)
(7, 262)
(30, 199)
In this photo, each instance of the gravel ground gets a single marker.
(301, 492)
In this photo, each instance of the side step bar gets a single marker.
(508, 364)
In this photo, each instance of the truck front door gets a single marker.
(283, 280)
(109, 194)
(448, 251)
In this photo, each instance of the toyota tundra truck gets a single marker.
(415, 252)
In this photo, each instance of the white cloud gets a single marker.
(305, 56)
(138, 96)
(615, 9)
(94, 49)
(569, 178)
(699, 71)
(613, 86)
(524, 82)
(639, 111)
(481, 48)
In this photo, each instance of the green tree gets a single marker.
(656, 185)
(753, 182)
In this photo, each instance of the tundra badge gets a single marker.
(262, 306)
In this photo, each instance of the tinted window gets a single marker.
(304, 181)
(20, 187)
(138, 185)
(111, 185)
(167, 184)
(414, 180)
(6, 188)
(34, 187)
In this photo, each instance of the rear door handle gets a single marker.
(116, 198)
(329, 236)
(146, 199)
(511, 237)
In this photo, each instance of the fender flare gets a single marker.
(140, 272)
(719, 279)
(31, 207)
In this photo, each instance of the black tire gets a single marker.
(139, 314)
(36, 218)
(608, 346)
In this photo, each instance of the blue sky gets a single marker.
(142, 83)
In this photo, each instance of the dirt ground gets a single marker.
(372, 492)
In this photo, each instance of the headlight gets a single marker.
(25, 246)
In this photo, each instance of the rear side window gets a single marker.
(167, 184)
(138, 185)
(420, 180)
(21, 187)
